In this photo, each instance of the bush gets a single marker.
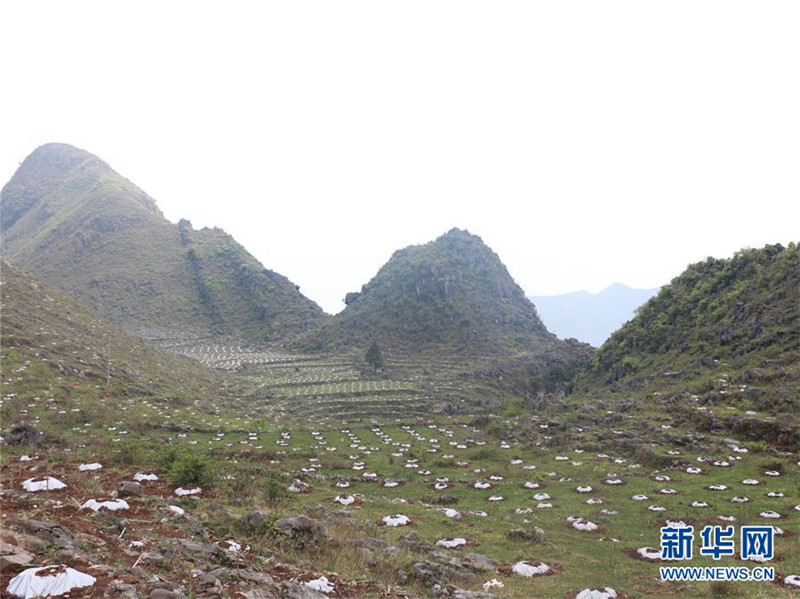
(756, 446)
(191, 468)
(515, 407)
(274, 486)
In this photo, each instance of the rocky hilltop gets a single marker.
(453, 291)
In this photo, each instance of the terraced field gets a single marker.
(278, 382)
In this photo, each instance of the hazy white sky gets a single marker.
(586, 142)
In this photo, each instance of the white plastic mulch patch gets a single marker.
(48, 581)
(528, 569)
(89, 467)
(111, 505)
(47, 483)
(321, 584)
(396, 520)
(649, 553)
(451, 543)
(604, 593)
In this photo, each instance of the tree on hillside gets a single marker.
(374, 357)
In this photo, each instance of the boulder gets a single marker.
(129, 488)
(478, 561)
(13, 558)
(534, 535)
(253, 522)
(120, 590)
(462, 594)
(302, 531)
(292, 589)
(22, 434)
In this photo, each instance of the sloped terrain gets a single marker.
(450, 302)
(398, 500)
(51, 345)
(484, 459)
(453, 292)
(73, 222)
(743, 310)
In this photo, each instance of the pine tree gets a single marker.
(374, 357)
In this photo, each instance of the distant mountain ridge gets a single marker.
(590, 317)
(73, 222)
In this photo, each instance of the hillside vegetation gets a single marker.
(744, 310)
(52, 346)
(73, 222)
(453, 291)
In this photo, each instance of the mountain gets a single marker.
(53, 345)
(70, 220)
(590, 317)
(743, 311)
(451, 293)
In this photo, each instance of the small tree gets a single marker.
(374, 356)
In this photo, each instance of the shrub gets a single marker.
(756, 446)
(273, 486)
(190, 468)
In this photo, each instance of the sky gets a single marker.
(586, 142)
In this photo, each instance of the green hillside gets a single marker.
(744, 311)
(453, 291)
(52, 346)
(73, 222)
(453, 300)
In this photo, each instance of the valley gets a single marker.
(201, 429)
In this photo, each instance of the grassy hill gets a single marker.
(54, 347)
(744, 310)
(717, 350)
(73, 222)
(452, 301)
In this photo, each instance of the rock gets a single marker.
(369, 542)
(141, 574)
(260, 578)
(14, 558)
(253, 522)
(258, 594)
(417, 546)
(129, 488)
(24, 541)
(210, 585)
(477, 561)
(166, 590)
(535, 535)
(72, 555)
(444, 500)
(292, 589)
(462, 594)
(22, 434)
(48, 531)
(434, 575)
(120, 589)
(302, 530)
